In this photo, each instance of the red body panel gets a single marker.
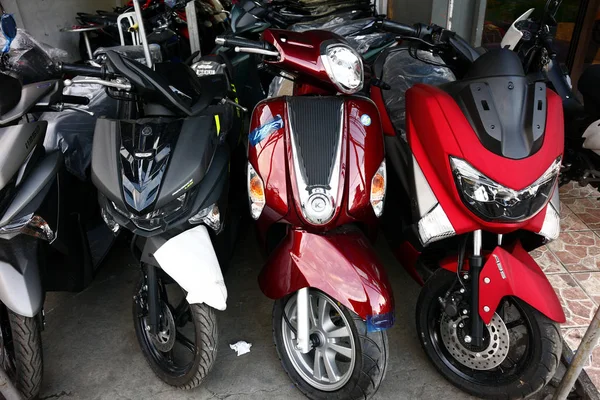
(438, 129)
(301, 55)
(361, 155)
(377, 97)
(343, 265)
(512, 272)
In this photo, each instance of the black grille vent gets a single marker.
(315, 122)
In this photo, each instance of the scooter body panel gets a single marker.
(342, 265)
(513, 272)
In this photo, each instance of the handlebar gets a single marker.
(87, 70)
(236, 41)
(399, 29)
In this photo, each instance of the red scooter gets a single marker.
(478, 167)
(317, 184)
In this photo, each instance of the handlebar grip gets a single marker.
(549, 44)
(235, 41)
(399, 29)
(85, 70)
(84, 101)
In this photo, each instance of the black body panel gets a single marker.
(507, 112)
(589, 86)
(316, 124)
(11, 93)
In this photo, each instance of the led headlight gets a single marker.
(378, 189)
(256, 192)
(344, 67)
(492, 201)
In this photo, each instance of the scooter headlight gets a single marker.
(378, 189)
(155, 219)
(256, 192)
(492, 201)
(344, 67)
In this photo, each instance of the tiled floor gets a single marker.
(572, 263)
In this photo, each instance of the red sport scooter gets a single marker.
(317, 183)
(479, 166)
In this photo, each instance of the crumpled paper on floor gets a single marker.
(241, 347)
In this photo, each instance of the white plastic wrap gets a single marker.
(401, 71)
(73, 132)
(31, 60)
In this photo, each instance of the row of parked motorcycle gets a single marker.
(328, 128)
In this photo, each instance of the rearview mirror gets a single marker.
(9, 30)
(513, 34)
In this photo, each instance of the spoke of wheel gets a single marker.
(187, 343)
(339, 333)
(323, 310)
(511, 360)
(313, 311)
(345, 351)
(181, 312)
(170, 355)
(331, 367)
(318, 365)
(514, 324)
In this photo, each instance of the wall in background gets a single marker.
(44, 18)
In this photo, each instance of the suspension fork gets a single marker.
(154, 308)
(302, 307)
(475, 266)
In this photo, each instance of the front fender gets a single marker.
(189, 258)
(343, 265)
(513, 272)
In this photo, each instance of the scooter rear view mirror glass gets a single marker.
(9, 26)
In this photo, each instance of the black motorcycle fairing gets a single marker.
(506, 111)
(11, 93)
(589, 87)
(146, 148)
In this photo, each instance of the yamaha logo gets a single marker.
(147, 131)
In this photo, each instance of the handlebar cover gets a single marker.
(85, 70)
(399, 29)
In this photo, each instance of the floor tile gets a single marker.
(577, 305)
(577, 251)
(590, 282)
(573, 337)
(547, 261)
(569, 221)
(573, 189)
(588, 209)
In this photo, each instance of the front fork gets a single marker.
(475, 266)
(303, 321)
(154, 308)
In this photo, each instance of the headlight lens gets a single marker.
(344, 67)
(492, 201)
(256, 192)
(378, 189)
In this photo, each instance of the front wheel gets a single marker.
(520, 352)
(346, 361)
(184, 349)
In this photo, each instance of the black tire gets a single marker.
(371, 359)
(538, 368)
(204, 320)
(27, 347)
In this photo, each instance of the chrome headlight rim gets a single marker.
(329, 68)
(532, 198)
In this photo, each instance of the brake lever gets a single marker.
(225, 100)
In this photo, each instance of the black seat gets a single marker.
(589, 87)
(11, 93)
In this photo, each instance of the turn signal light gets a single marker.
(378, 189)
(256, 192)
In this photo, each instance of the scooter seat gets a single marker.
(11, 93)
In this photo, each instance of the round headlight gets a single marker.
(344, 67)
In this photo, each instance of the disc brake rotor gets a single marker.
(164, 339)
(480, 359)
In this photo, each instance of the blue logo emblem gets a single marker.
(258, 134)
(365, 119)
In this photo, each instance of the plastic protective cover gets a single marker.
(73, 132)
(355, 31)
(401, 71)
(134, 52)
(31, 60)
